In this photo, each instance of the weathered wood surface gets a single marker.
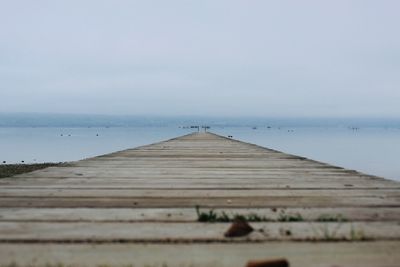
(146, 198)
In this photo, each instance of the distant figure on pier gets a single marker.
(205, 128)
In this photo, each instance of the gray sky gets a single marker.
(249, 58)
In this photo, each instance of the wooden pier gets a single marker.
(138, 207)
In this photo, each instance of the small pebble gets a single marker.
(238, 228)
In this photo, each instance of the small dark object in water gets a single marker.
(22, 161)
(268, 263)
(4, 161)
(230, 136)
(97, 134)
(239, 227)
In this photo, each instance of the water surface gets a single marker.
(371, 147)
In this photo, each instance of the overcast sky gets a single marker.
(221, 58)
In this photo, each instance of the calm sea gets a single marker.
(370, 146)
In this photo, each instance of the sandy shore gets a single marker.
(7, 170)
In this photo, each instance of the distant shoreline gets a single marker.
(85, 120)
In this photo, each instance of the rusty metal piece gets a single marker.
(268, 263)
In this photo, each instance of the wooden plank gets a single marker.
(297, 185)
(190, 215)
(179, 174)
(349, 254)
(123, 192)
(185, 202)
(193, 232)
